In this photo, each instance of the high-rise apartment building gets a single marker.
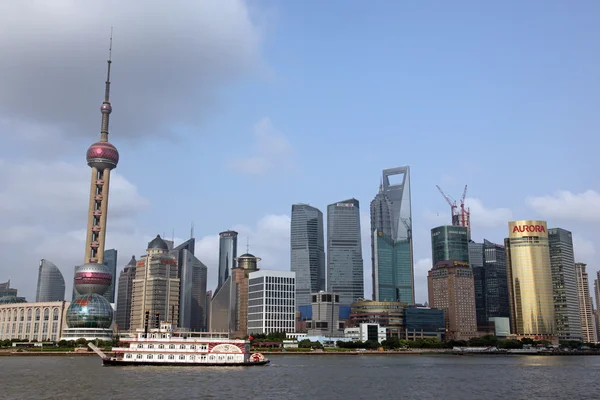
(123, 313)
(564, 285)
(227, 255)
(344, 251)
(307, 247)
(451, 288)
(391, 238)
(110, 260)
(156, 285)
(586, 305)
(271, 302)
(51, 284)
(488, 261)
(530, 279)
(449, 242)
(392, 271)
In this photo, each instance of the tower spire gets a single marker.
(247, 244)
(106, 108)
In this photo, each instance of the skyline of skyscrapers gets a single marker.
(307, 252)
(564, 285)
(51, 283)
(344, 251)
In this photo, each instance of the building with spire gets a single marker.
(307, 252)
(51, 284)
(90, 315)
(391, 238)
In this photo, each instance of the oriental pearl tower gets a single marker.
(90, 315)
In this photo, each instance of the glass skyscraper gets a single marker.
(110, 260)
(391, 238)
(449, 243)
(51, 284)
(227, 255)
(126, 277)
(344, 251)
(307, 244)
(564, 285)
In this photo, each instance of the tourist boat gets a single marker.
(165, 346)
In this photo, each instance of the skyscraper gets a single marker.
(586, 306)
(530, 279)
(307, 244)
(488, 261)
(564, 284)
(227, 255)
(344, 251)
(110, 260)
(199, 309)
(449, 242)
(90, 315)
(123, 314)
(391, 238)
(391, 262)
(51, 284)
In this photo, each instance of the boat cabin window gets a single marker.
(182, 357)
(193, 347)
(160, 356)
(161, 346)
(171, 346)
(128, 355)
(171, 357)
(150, 357)
(139, 356)
(140, 346)
(150, 346)
(182, 346)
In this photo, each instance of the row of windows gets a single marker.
(201, 347)
(202, 357)
(15, 314)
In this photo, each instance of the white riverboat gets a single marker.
(168, 347)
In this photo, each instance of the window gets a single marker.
(150, 357)
(193, 347)
(171, 357)
(139, 355)
(171, 346)
(160, 357)
(128, 355)
(161, 346)
(150, 346)
(182, 357)
(140, 346)
(182, 346)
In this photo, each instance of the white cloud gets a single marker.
(584, 249)
(483, 217)
(271, 151)
(565, 205)
(170, 60)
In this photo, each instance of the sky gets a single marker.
(227, 112)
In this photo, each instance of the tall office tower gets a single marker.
(344, 251)
(488, 261)
(207, 309)
(530, 279)
(451, 288)
(90, 315)
(307, 244)
(269, 310)
(156, 285)
(392, 272)
(586, 305)
(391, 238)
(184, 254)
(199, 281)
(564, 285)
(227, 255)
(110, 260)
(51, 284)
(449, 242)
(123, 314)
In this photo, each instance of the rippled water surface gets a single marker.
(309, 377)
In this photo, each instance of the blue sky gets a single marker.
(228, 112)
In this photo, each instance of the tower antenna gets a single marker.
(106, 108)
(247, 244)
(192, 231)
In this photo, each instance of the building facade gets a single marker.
(307, 248)
(325, 319)
(449, 242)
(586, 305)
(391, 238)
(227, 255)
(344, 251)
(125, 292)
(530, 279)
(156, 285)
(51, 284)
(564, 285)
(40, 321)
(271, 302)
(366, 332)
(451, 289)
(110, 261)
(192, 287)
(488, 261)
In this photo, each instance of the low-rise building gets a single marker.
(364, 332)
(325, 319)
(33, 321)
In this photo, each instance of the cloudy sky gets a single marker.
(226, 112)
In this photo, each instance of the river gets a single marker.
(310, 377)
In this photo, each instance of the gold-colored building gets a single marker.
(530, 279)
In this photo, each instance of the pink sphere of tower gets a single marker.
(102, 155)
(92, 278)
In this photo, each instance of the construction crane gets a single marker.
(462, 216)
(450, 201)
(465, 214)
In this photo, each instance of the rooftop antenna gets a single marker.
(247, 244)
(192, 231)
(106, 107)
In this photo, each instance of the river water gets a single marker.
(310, 377)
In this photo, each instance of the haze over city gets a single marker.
(226, 113)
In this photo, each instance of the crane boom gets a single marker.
(449, 199)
